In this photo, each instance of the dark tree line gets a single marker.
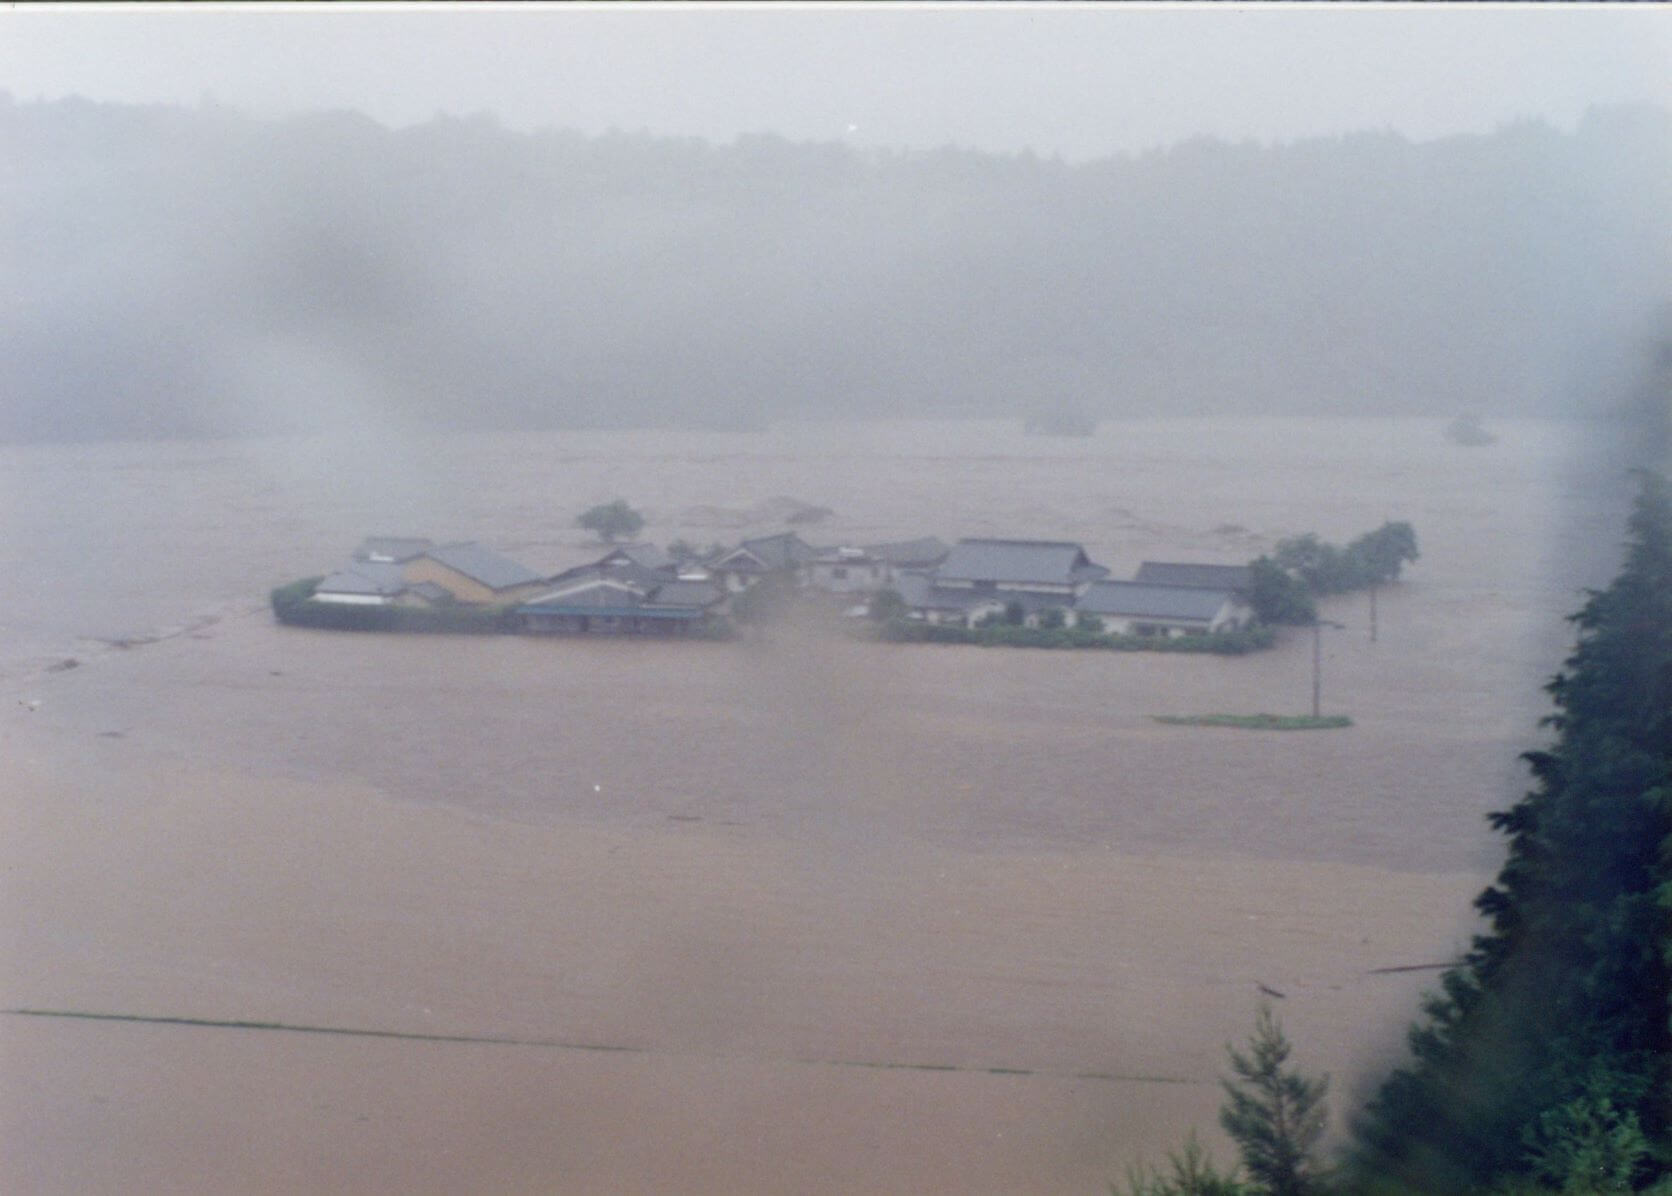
(1547, 1057)
(1283, 585)
(1543, 1065)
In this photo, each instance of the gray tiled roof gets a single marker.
(577, 588)
(645, 556)
(600, 596)
(927, 551)
(608, 594)
(1050, 562)
(634, 575)
(684, 593)
(1137, 600)
(483, 565)
(1210, 577)
(364, 577)
(378, 549)
(785, 550)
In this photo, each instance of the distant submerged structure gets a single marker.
(1060, 422)
(1466, 429)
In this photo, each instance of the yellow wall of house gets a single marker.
(465, 589)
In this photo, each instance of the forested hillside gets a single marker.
(1546, 1061)
(174, 271)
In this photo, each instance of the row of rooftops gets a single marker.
(1033, 574)
(929, 574)
(1051, 562)
(787, 550)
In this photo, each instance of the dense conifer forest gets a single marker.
(1547, 1058)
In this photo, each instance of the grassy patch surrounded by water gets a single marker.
(1257, 722)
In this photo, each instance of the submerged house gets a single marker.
(981, 577)
(783, 554)
(606, 605)
(634, 589)
(365, 583)
(872, 567)
(473, 573)
(846, 571)
(1138, 608)
(403, 571)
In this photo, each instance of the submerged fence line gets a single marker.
(558, 1044)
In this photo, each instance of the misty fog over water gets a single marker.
(193, 271)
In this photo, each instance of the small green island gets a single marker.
(1257, 722)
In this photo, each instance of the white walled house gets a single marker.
(785, 554)
(979, 578)
(847, 571)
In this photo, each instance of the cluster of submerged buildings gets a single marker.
(640, 589)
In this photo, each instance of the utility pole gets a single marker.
(1317, 665)
(1372, 612)
(1318, 659)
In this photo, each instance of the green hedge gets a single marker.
(1224, 643)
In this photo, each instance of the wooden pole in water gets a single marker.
(1317, 664)
(1372, 612)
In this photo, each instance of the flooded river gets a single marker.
(784, 916)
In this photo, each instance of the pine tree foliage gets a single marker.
(1554, 1035)
(1274, 1114)
(1189, 1172)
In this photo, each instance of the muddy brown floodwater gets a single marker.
(795, 916)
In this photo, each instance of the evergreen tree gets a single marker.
(1552, 1041)
(1274, 1115)
(1276, 596)
(1190, 1172)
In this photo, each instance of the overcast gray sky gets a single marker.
(1079, 80)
